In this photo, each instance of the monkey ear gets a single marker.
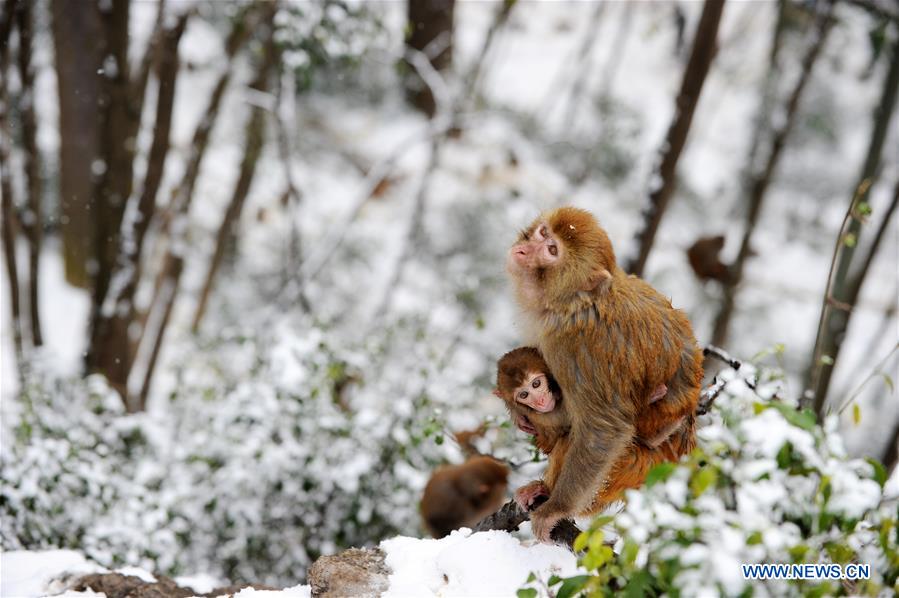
(497, 393)
(596, 279)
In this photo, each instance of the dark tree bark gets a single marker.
(842, 289)
(78, 87)
(891, 452)
(112, 187)
(254, 139)
(761, 180)
(33, 221)
(429, 30)
(9, 225)
(119, 312)
(701, 56)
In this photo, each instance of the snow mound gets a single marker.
(490, 563)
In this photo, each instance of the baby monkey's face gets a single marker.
(536, 393)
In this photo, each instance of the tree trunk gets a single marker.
(33, 220)
(891, 452)
(78, 87)
(842, 291)
(429, 30)
(701, 56)
(168, 281)
(759, 183)
(254, 139)
(118, 313)
(9, 225)
(113, 187)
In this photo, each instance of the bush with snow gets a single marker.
(767, 484)
(260, 462)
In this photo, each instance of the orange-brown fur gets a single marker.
(704, 258)
(461, 495)
(609, 339)
(552, 437)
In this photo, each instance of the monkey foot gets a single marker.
(527, 496)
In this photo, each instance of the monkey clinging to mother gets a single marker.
(609, 340)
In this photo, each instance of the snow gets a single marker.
(462, 564)
(470, 564)
(25, 574)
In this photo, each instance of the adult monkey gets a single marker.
(609, 339)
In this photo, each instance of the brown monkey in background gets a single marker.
(534, 400)
(704, 257)
(461, 495)
(609, 340)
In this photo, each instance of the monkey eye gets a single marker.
(536, 383)
(553, 250)
(544, 232)
(523, 395)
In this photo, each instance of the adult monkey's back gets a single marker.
(609, 339)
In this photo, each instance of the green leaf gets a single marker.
(856, 414)
(531, 578)
(804, 418)
(580, 542)
(629, 552)
(880, 472)
(754, 538)
(639, 585)
(850, 240)
(572, 586)
(702, 479)
(526, 593)
(888, 381)
(553, 580)
(659, 473)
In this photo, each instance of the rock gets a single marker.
(116, 585)
(354, 572)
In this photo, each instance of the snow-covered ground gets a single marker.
(462, 564)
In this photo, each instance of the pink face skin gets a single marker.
(535, 393)
(538, 250)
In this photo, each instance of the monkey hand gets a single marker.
(527, 495)
(543, 520)
(524, 424)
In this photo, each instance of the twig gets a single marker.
(709, 394)
(294, 197)
(721, 355)
(510, 516)
(440, 122)
(877, 370)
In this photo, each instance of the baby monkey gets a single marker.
(535, 402)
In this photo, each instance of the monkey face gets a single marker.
(536, 393)
(536, 248)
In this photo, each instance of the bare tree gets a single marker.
(114, 168)
(9, 225)
(759, 181)
(254, 137)
(430, 30)
(119, 311)
(891, 452)
(843, 287)
(173, 224)
(664, 179)
(32, 221)
(78, 90)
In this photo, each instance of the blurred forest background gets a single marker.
(254, 251)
